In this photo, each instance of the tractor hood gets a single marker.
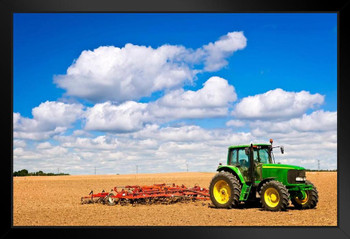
(284, 173)
(279, 171)
(281, 166)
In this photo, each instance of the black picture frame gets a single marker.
(342, 8)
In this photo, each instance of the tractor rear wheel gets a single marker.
(274, 196)
(309, 200)
(225, 190)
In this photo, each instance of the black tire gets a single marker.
(310, 201)
(274, 196)
(226, 196)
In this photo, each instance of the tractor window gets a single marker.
(256, 157)
(264, 155)
(243, 159)
(233, 156)
(261, 156)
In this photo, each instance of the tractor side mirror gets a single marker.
(246, 151)
(282, 150)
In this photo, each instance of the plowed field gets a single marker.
(55, 201)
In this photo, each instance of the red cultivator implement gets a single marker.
(157, 193)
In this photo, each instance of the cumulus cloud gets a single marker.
(49, 118)
(191, 134)
(216, 92)
(130, 72)
(217, 52)
(277, 104)
(316, 121)
(101, 142)
(235, 123)
(210, 101)
(128, 116)
(44, 145)
(186, 133)
(110, 73)
(18, 143)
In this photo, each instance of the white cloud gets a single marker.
(49, 118)
(57, 113)
(55, 151)
(119, 74)
(125, 117)
(210, 101)
(184, 133)
(101, 142)
(33, 134)
(277, 104)
(235, 123)
(80, 132)
(44, 145)
(316, 121)
(217, 52)
(216, 92)
(17, 143)
(110, 73)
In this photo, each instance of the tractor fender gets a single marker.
(264, 181)
(234, 170)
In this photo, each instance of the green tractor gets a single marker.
(251, 175)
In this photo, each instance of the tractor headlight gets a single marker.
(300, 179)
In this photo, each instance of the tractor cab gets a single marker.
(250, 158)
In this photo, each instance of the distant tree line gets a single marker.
(24, 172)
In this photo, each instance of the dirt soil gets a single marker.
(55, 201)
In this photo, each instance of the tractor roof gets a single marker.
(246, 145)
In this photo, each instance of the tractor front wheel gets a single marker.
(274, 196)
(308, 200)
(225, 190)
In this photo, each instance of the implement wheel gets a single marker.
(274, 196)
(110, 200)
(225, 190)
(309, 199)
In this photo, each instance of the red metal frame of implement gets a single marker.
(157, 193)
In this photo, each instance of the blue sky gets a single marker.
(292, 52)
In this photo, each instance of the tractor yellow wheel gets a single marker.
(271, 197)
(222, 192)
(309, 199)
(274, 196)
(302, 201)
